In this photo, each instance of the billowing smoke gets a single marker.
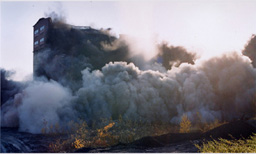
(72, 49)
(173, 56)
(221, 88)
(8, 87)
(39, 104)
(46, 103)
(250, 50)
(90, 74)
(9, 92)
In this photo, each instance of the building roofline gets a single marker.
(49, 18)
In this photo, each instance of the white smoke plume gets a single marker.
(40, 105)
(221, 88)
(44, 102)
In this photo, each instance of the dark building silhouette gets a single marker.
(61, 50)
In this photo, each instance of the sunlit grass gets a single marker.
(229, 146)
(108, 132)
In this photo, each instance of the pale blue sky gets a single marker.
(207, 27)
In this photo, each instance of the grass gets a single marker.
(108, 133)
(229, 146)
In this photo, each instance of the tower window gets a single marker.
(36, 32)
(41, 40)
(42, 28)
(36, 43)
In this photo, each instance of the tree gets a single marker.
(185, 124)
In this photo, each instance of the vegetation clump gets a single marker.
(107, 133)
(229, 146)
(185, 124)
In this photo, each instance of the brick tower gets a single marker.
(40, 35)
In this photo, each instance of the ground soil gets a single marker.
(181, 142)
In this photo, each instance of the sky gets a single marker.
(208, 28)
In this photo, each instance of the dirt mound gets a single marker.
(237, 129)
(163, 140)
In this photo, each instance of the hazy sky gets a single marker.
(206, 27)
